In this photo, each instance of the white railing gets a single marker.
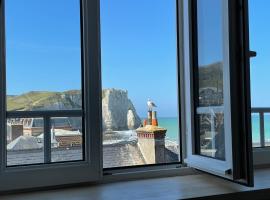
(261, 112)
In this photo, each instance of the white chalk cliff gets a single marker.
(118, 112)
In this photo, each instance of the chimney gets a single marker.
(52, 133)
(154, 118)
(16, 130)
(149, 117)
(151, 141)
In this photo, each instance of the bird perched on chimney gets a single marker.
(150, 105)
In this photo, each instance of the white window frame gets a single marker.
(237, 166)
(221, 167)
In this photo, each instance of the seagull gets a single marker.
(150, 105)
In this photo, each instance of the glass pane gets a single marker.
(139, 54)
(212, 135)
(43, 55)
(24, 141)
(210, 102)
(66, 139)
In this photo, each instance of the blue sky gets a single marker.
(259, 41)
(43, 45)
(209, 14)
(138, 48)
(139, 51)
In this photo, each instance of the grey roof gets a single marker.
(116, 155)
(36, 156)
(120, 155)
(24, 142)
(39, 123)
(119, 150)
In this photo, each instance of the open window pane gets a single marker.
(210, 107)
(25, 141)
(218, 90)
(139, 64)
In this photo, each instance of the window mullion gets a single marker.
(47, 139)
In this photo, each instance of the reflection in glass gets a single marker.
(210, 83)
(212, 135)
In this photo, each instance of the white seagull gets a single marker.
(150, 105)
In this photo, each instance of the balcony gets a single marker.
(260, 131)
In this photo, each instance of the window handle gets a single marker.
(252, 54)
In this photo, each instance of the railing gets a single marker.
(261, 112)
(46, 116)
(211, 111)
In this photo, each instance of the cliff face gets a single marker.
(118, 112)
(43, 100)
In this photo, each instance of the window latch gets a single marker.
(252, 54)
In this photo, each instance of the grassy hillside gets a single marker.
(211, 76)
(36, 100)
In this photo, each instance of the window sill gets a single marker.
(201, 186)
(147, 172)
(261, 157)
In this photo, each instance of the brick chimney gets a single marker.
(151, 141)
(15, 131)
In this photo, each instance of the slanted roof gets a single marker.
(122, 155)
(62, 132)
(125, 152)
(39, 123)
(25, 143)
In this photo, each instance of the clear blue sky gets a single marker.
(139, 51)
(138, 48)
(259, 41)
(210, 31)
(43, 45)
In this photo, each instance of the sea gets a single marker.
(172, 126)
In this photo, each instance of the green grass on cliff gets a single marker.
(39, 99)
(31, 100)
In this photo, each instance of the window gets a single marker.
(63, 122)
(210, 86)
(139, 65)
(47, 86)
(45, 55)
(217, 101)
